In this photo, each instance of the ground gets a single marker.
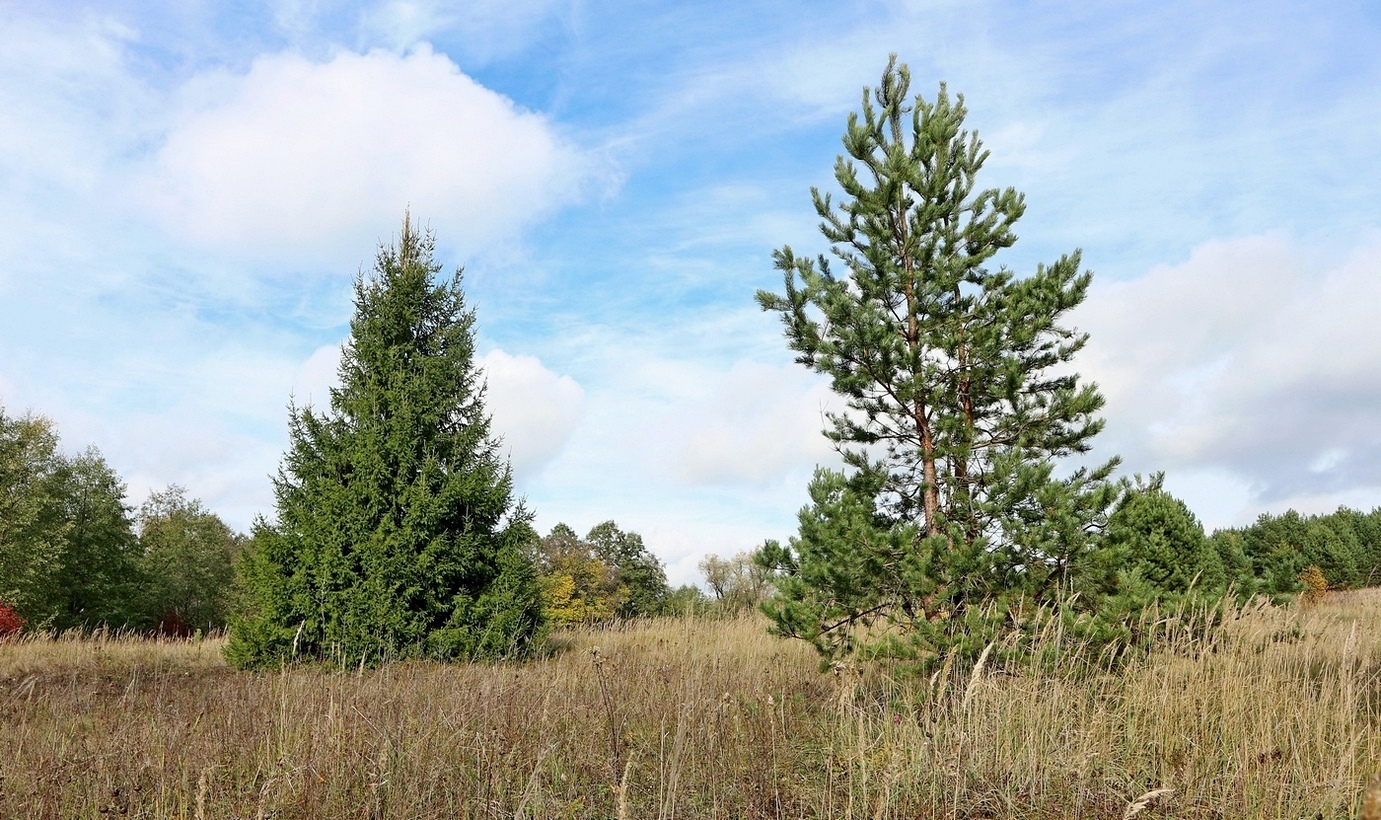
(1274, 716)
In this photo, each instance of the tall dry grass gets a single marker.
(1274, 717)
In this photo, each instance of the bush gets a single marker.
(11, 622)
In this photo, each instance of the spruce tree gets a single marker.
(397, 533)
(960, 399)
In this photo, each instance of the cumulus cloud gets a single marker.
(299, 155)
(1253, 361)
(755, 424)
(534, 409)
(314, 380)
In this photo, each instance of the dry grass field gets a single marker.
(701, 718)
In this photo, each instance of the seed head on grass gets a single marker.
(1140, 804)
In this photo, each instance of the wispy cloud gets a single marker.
(186, 194)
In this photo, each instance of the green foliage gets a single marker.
(959, 395)
(1153, 534)
(687, 599)
(610, 573)
(1272, 555)
(397, 533)
(1237, 565)
(186, 559)
(1336, 552)
(33, 527)
(1273, 544)
(68, 555)
(637, 572)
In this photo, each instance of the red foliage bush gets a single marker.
(11, 622)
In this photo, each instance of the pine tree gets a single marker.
(960, 401)
(397, 533)
(1154, 545)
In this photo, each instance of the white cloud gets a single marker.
(65, 102)
(308, 156)
(314, 380)
(755, 424)
(1254, 361)
(534, 409)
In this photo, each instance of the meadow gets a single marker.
(1274, 714)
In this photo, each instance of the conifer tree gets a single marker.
(397, 533)
(960, 401)
(1156, 533)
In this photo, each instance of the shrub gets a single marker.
(11, 622)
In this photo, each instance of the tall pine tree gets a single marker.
(397, 533)
(960, 401)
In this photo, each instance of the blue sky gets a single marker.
(187, 191)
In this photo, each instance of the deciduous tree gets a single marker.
(187, 554)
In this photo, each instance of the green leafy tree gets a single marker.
(33, 523)
(637, 571)
(960, 399)
(187, 555)
(397, 533)
(99, 578)
(67, 547)
(686, 599)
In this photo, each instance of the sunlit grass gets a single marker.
(700, 718)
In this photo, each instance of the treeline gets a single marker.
(1274, 555)
(1155, 543)
(75, 555)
